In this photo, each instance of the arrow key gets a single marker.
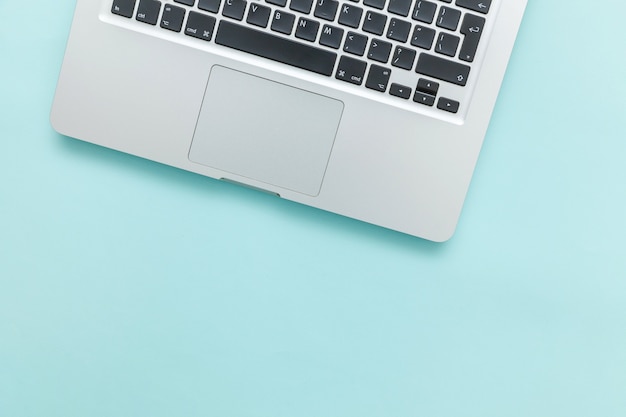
(425, 99)
(399, 90)
(448, 105)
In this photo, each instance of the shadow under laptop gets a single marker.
(300, 214)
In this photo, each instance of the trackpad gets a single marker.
(265, 131)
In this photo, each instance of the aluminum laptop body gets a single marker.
(344, 107)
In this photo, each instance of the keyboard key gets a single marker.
(472, 28)
(148, 11)
(424, 11)
(423, 37)
(326, 9)
(307, 29)
(398, 30)
(355, 43)
(427, 87)
(378, 78)
(258, 15)
(379, 50)
(331, 36)
(123, 7)
(447, 44)
(172, 18)
(425, 99)
(377, 4)
(351, 70)
(282, 22)
(209, 5)
(200, 25)
(234, 9)
(442, 69)
(276, 48)
(281, 3)
(400, 7)
(185, 2)
(481, 6)
(302, 6)
(448, 105)
(374, 23)
(448, 18)
(400, 90)
(403, 57)
(350, 15)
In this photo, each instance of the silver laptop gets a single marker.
(372, 109)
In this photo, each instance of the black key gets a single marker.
(423, 37)
(425, 99)
(400, 7)
(374, 23)
(283, 22)
(398, 30)
(447, 44)
(400, 90)
(303, 6)
(307, 29)
(355, 43)
(234, 9)
(448, 18)
(379, 50)
(272, 47)
(281, 3)
(258, 15)
(350, 15)
(481, 6)
(326, 9)
(403, 57)
(148, 11)
(209, 5)
(378, 78)
(442, 69)
(448, 105)
(351, 70)
(185, 2)
(377, 4)
(331, 36)
(200, 25)
(424, 11)
(123, 7)
(172, 18)
(472, 28)
(427, 87)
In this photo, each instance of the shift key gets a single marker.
(442, 69)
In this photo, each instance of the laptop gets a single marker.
(371, 109)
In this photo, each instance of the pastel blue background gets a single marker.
(128, 288)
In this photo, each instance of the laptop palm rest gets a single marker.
(265, 131)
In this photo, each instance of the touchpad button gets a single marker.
(266, 131)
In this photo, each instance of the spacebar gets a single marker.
(273, 47)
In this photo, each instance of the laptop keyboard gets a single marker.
(403, 49)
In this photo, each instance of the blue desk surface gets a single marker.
(128, 288)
